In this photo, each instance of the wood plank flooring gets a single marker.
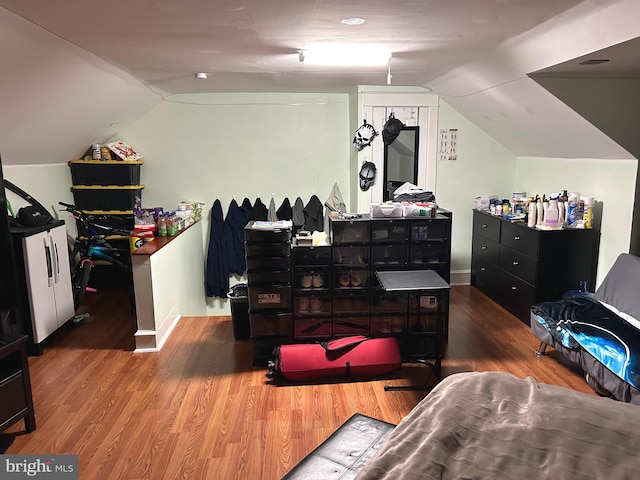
(198, 409)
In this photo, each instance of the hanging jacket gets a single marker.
(217, 281)
(271, 215)
(313, 219)
(284, 211)
(246, 208)
(234, 236)
(297, 214)
(259, 211)
(334, 203)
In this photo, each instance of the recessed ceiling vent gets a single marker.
(595, 61)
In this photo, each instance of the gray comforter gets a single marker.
(493, 425)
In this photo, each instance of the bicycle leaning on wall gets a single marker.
(90, 246)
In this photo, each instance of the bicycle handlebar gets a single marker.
(90, 220)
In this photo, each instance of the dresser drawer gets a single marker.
(518, 264)
(520, 238)
(517, 295)
(484, 275)
(484, 247)
(487, 226)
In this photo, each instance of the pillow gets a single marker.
(620, 285)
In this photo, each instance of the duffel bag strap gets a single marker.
(343, 343)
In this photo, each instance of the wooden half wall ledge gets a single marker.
(168, 279)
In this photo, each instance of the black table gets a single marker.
(433, 286)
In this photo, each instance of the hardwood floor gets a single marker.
(198, 409)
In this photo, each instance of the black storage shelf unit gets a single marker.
(301, 293)
(268, 256)
(107, 189)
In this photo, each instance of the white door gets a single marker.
(38, 263)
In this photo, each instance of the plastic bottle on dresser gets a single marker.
(573, 210)
(539, 212)
(587, 215)
(561, 211)
(162, 225)
(551, 217)
(531, 213)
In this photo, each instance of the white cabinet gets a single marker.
(48, 279)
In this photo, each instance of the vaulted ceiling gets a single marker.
(475, 54)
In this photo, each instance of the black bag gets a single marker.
(32, 217)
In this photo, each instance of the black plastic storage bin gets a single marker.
(105, 172)
(239, 296)
(95, 197)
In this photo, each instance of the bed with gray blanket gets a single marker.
(493, 425)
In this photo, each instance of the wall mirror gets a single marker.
(401, 161)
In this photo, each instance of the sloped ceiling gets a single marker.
(79, 71)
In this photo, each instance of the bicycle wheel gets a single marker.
(80, 280)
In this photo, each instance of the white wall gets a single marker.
(610, 182)
(484, 166)
(203, 147)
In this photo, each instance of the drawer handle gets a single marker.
(515, 237)
(514, 263)
(484, 247)
(483, 269)
(484, 225)
(513, 287)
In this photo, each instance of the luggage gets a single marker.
(355, 356)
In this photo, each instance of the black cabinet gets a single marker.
(16, 402)
(518, 266)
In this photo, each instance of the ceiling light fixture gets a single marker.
(341, 56)
(352, 21)
(201, 75)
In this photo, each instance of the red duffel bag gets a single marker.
(355, 356)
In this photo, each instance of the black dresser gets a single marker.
(518, 266)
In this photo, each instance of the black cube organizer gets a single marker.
(268, 255)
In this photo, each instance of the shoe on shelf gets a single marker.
(356, 281)
(344, 280)
(316, 305)
(305, 281)
(303, 304)
(317, 281)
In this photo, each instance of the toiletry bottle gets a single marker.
(531, 213)
(587, 216)
(539, 212)
(561, 212)
(551, 217)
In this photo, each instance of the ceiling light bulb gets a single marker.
(345, 56)
(201, 75)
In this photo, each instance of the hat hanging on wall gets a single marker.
(391, 129)
(364, 135)
(367, 175)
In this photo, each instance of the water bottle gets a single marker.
(162, 225)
